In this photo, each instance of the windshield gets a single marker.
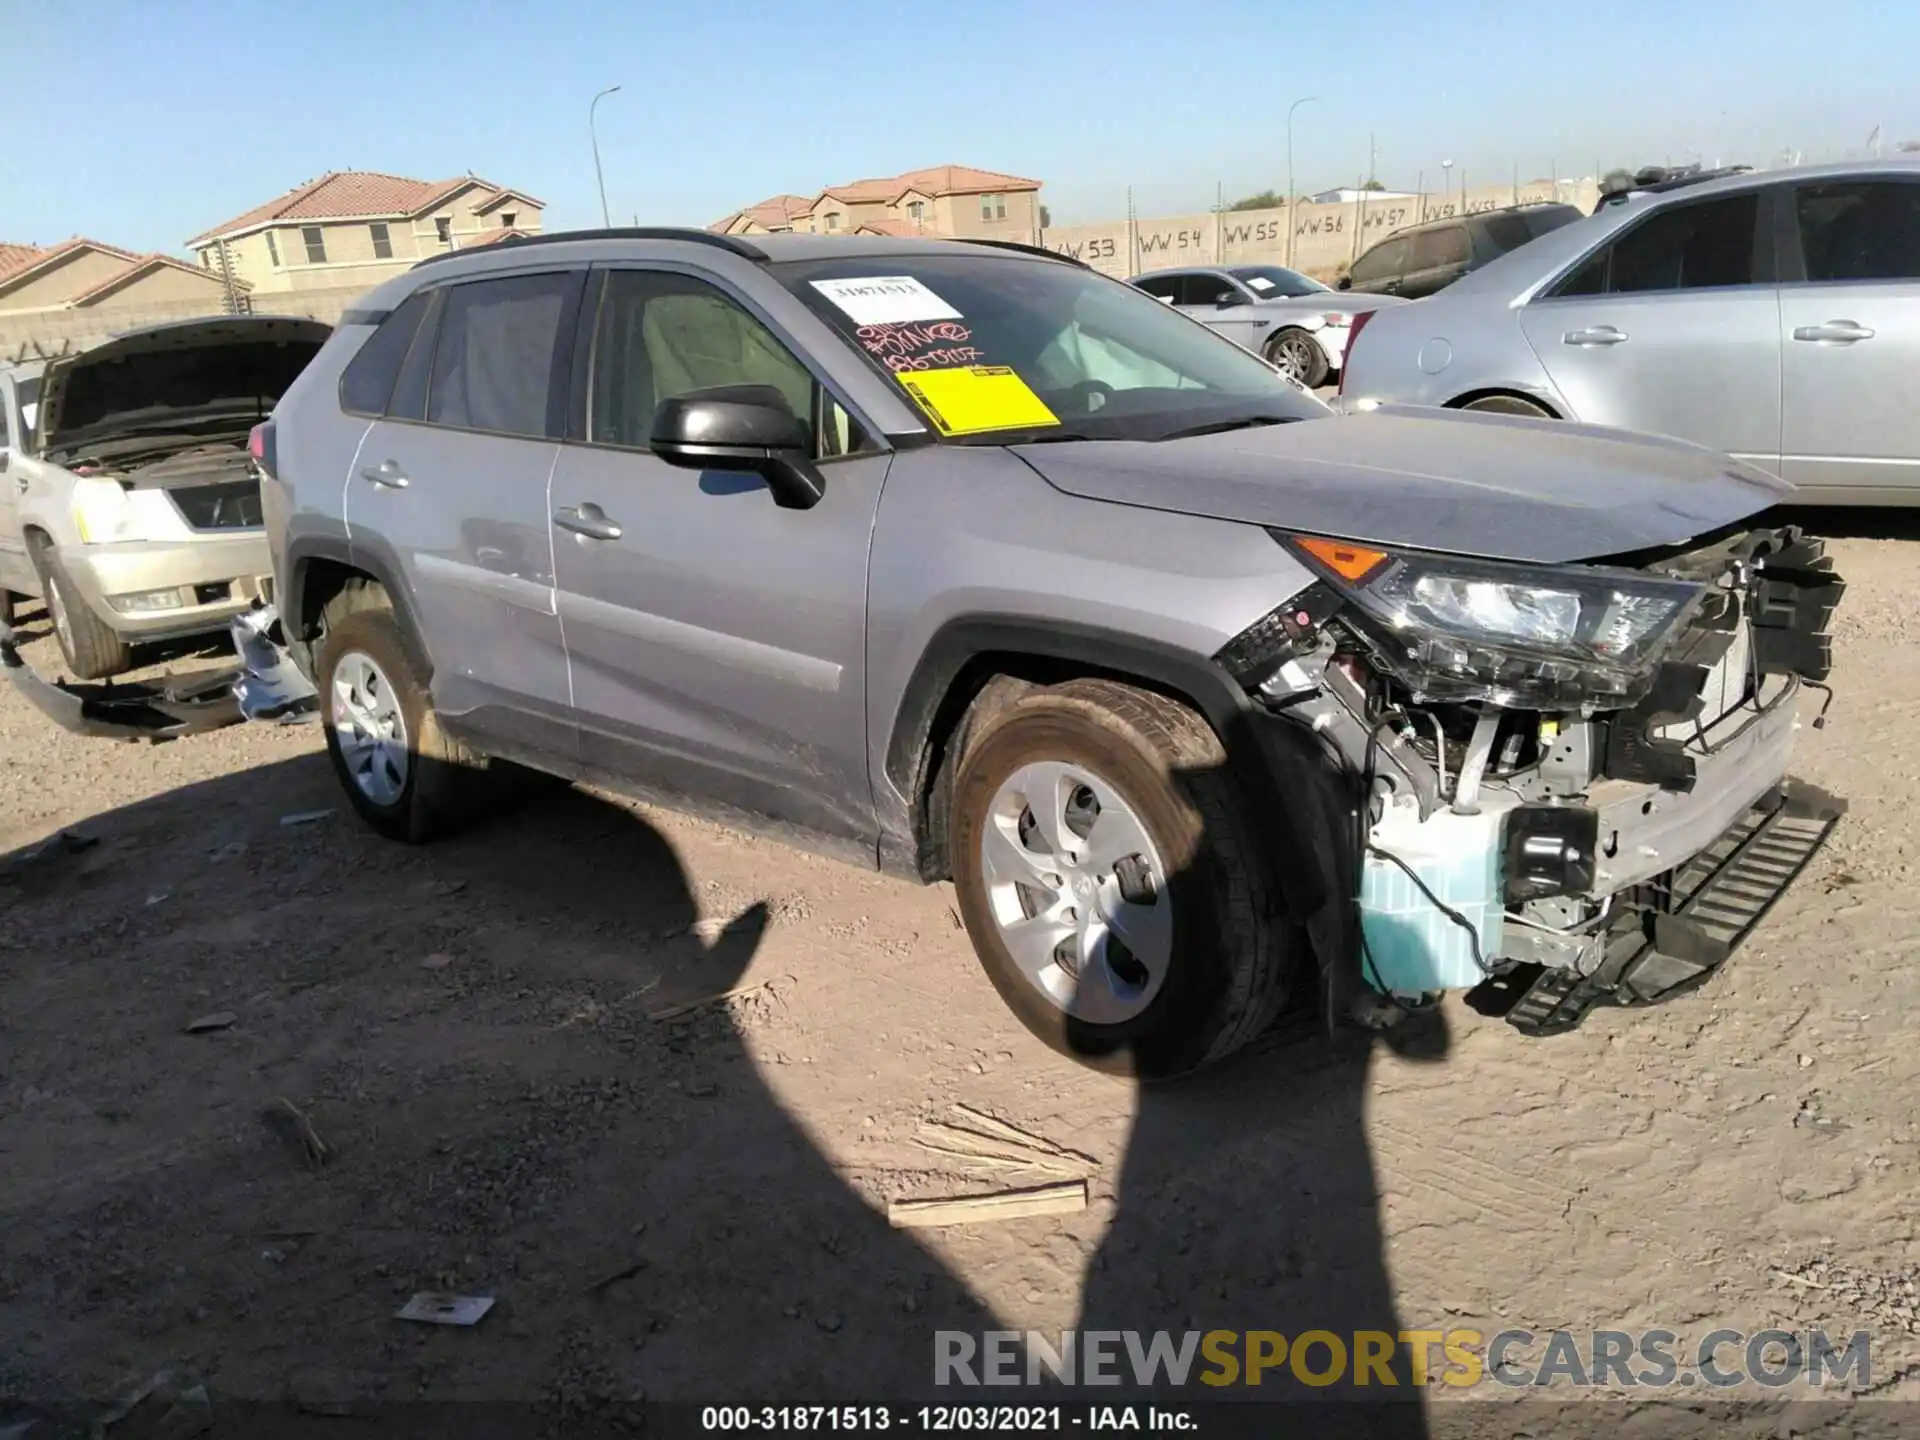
(1276, 282)
(998, 349)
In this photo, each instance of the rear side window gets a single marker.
(1445, 246)
(367, 384)
(1505, 232)
(501, 361)
(1689, 247)
(1866, 230)
(1386, 259)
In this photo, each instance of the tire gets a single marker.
(92, 651)
(1228, 957)
(1508, 405)
(1298, 354)
(409, 780)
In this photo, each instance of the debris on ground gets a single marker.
(165, 1404)
(1061, 1199)
(675, 1010)
(431, 1307)
(607, 1282)
(437, 961)
(305, 817)
(289, 1122)
(61, 842)
(218, 1020)
(974, 1148)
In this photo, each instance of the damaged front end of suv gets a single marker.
(1569, 781)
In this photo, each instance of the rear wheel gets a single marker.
(1111, 880)
(92, 651)
(405, 776)
(1298, 356)
(1508, 405)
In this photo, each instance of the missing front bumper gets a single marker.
(265, 687)
(1713, 903)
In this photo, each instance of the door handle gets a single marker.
(588, 520)
(1834, 332)
(386, 475)
(1594, 335)
(19, 484)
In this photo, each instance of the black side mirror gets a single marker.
(741, 428)
(1345, 282)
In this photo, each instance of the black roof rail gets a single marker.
(1026, 249)
(687, 233)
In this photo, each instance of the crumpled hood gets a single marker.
(1499, 486)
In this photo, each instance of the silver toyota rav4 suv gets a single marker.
(965, 562)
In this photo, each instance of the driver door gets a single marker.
(1200, 295)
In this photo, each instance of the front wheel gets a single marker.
(92, 651)
(1299, 357)
(1112, 882)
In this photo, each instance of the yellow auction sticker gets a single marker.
(976, 399)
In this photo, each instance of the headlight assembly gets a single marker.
(101, 513)
(1453, 627)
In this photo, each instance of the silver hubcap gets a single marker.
(1078, 891)
(371, 728)
(1291, 354)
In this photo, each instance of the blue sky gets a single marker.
(143, 123)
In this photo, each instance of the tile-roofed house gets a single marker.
(355, 228)
(958, 200)
(82, 274)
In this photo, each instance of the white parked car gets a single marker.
(1289, 319)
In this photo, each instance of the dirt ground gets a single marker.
(694, 1208)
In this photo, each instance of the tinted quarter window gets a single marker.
(1688, 247)
(664, 335)
(1860, 231)
(1445, 246)
(1384, 261)
(501, 361)
(367, 384)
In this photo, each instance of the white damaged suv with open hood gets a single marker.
(127, 499)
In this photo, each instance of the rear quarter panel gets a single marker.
(1440, 350)
(315, 445)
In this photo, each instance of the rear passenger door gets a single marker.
(449, 494)
(1850, 327)
(717, 641)
(1673, 327)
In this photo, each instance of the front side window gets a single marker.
(662, 336)
(500, 362)
(382, 241)
(1860, 230)
(1385, 260)
(1204, 290)
(315, 240)
(1161, 287)
(1447, 245)
(1686, 247)
(1038, 348)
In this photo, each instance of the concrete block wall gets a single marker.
(47, 332)
(1325, 238)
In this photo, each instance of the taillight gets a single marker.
(260, 447)
(1353, 339)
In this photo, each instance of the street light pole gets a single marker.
(1292, 194)
(594, 134)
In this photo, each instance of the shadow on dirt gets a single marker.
(470, 1028)
(1863, 522)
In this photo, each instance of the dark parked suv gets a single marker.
(963, 561)
(1424, 258)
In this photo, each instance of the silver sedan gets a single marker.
(1289, 319)
(1774, 316)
